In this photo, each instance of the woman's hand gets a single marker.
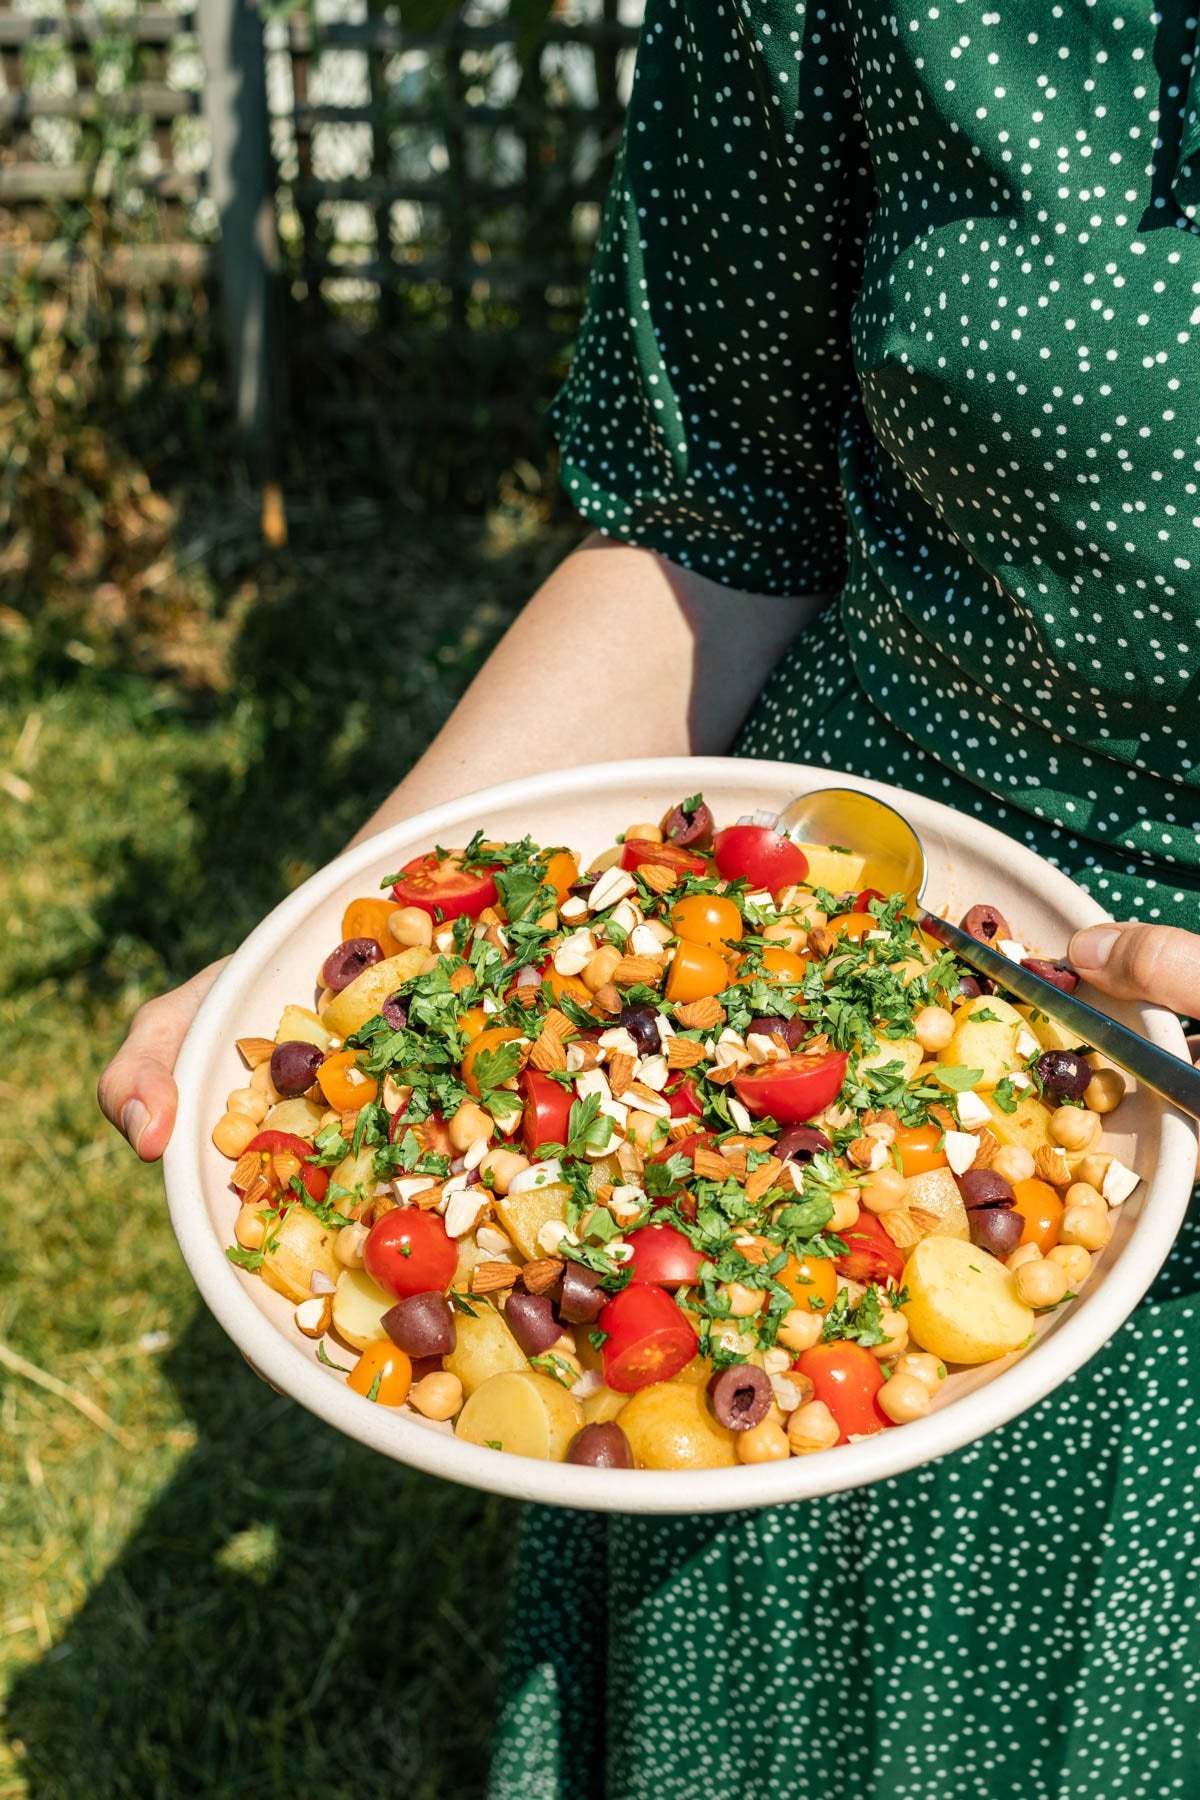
(1141, 962)
(137, 1090)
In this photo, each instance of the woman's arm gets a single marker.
(619, 654)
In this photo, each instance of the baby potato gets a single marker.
(989, 1044)
(1028, 1127)
(892, 1050)
(522, 1412)
(1048, 1032)
(301, 1117)
(368, 991)
(485, 1347)
(523, 1215)
(603, 1405)
(670, 1426)
(300, 1025)
(294, 1249)
(358, 1306)
(962, 1304)
(936, 1192)
(841, 871)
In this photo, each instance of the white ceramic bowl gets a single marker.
(586, 808)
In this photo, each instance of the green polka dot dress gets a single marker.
(903, 305)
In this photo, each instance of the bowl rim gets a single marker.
(285, 1366)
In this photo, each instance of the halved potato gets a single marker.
(671, 1426)
(358, 1306)
(301, 1117)
(522, 1412)
(962, 1304)
(523, 1215)
(1048, 1032)
(294, 1250)
(838, 870)
(891, 1050)
(603, 1405)
(1028, 1127)
(485, 1347)
(936, 1192)
(299, 1025)
(990, 1043)
(368, 991)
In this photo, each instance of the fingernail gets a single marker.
(134, 1120)
(1092, 948)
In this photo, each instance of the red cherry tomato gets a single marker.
(431, 1134)
(684, 1097)
(444, 888)
(685, 1147)
(863, 901)
(648, 1338)
(795, 1088)
(409, 1252)
(315, 1180)
(870, 1253)
(847, 1378)
(663, 1255)
(764, 858)
(547, 1109)
(636, 851)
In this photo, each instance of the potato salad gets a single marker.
(696, 1155)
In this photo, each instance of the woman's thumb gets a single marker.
(1141, 962)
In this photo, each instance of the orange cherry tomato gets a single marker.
(695, 972)
(1042, 1210)
(472, 1022)
(920, 1148)
(812, 1281)
(343, 1083)
(485, 1040)
(561, 872)
(708, 919)
(368, 918)
(853, 925)
(570, 985)
(777, 964)
(384, 1363)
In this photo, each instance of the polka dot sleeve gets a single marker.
(702, 410)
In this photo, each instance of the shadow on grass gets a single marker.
(295, 1617)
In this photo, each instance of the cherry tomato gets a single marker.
(777, 964)
(695, 972)
(286, 1143)
(794, 1089)
(684, 1098)
(1042, 1210)
(368, 918)
(870, 1253)
(410, 1252)
(764, 858)
(343, 1083)
(847, 1378)
(444, 888)
(812, 1281)
(663, 1255)
(432, 1133)
(547, 1109)
(920, 1148)
(853, 925)
(708, 919)
(648, 1338)
(561, 872)
(472, 1022)
(636, 851)
(489, 1040)
(687, 1146)
(570, 985)
(863, 901)
(384, 1363)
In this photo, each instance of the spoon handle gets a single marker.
(1176, 1080)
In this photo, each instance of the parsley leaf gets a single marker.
(956, 1077)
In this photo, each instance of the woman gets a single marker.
(888, 359)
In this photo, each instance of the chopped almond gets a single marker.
(490, 1277)
(701, 1015)
(620, 1072)
(709, 1165)
(539, 1276)
(255, 1050)
(632, 971)
(761, 1180)
(684, 1053)
(659, 877)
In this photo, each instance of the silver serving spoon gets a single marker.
(898, 865)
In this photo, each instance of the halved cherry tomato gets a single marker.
(444, 888)
(794, 1089)
(561, 872)
(687, 1147)
(853, 925)
(547, 1109)
(472, 1022)
(368, 918)
(684, 1098)
(708, 919)
(489, 1040)
(648, 1338)
(847, 1378)
(663, 1255)
(409, 1252)
(287, 1143)
(570, 985)
(343, 1083)
(764, 858)
(1042, 1210)
(776, 964)
(870, 1253)
(432, 1133)
(695, 972)
(812, 1281)
(636, 851)
(863, 901)
(384, 1363)
(920, 1148)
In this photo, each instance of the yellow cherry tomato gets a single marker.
(812, 1281)
(485, 1040)
(472, 1022)
(561, 872)
(384, 1363)
(570, 985)
(708, 919)
(695, 972)
(777, 964)
(854, 925)
(368, 918)
(343, 1083)
(920, 1148)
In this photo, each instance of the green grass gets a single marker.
(229, 1599)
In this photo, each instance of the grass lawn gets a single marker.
(217, 1595)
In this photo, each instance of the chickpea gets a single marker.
(1074, 1261)
(410, 926)
(348, 1245)
(260, 1081)
(883, 1190)
(249, 1101)
(923, 1367)
(895, 1343)
(763, 1443)
(1105, 1091)
(500, 1166)
(249, 1228)
(1041, 1284)
(801, 1329)
(812, 1427)
(649, 834)
(1093, 1169)
(1024, 1253)
(599, 970)
(744, 1301)
(788, 932)
(904, 1398)
(232, 1132)
(1014, 1162)
(1074, 1128)
(933, 1027)
(1082, 1193)
(1086, 1226)
(845, 1210)
(469, 1123)
(437, 1396)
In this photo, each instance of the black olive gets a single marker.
(601, 1447)
(740, 1396)
(422, 1325)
